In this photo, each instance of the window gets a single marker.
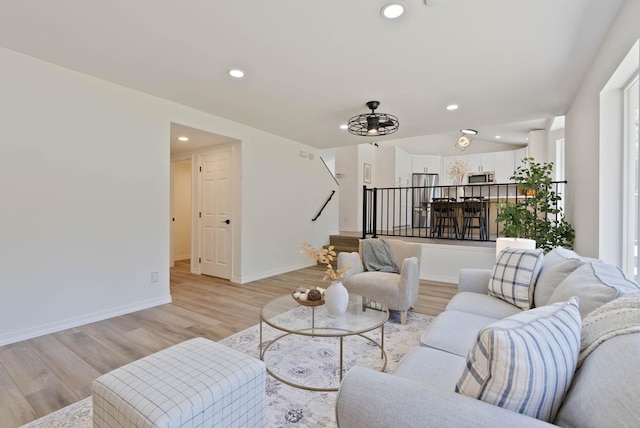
(632, 209)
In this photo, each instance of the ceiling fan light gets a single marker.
(373, 124)
(463, 142)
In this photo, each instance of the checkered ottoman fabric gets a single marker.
(197, 383)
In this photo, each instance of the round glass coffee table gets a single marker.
(301, 328)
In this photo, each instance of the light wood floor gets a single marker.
(41, 375)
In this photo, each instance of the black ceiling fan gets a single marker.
(373, 124)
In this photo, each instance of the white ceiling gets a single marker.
(511, 65)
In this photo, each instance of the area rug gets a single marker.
(309, 361)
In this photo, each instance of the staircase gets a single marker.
(343, 244)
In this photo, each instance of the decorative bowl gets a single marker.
(308, 302)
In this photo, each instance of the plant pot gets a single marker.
(336, 298)
(524, 243)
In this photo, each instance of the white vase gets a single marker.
(459, 193)
(336, 298)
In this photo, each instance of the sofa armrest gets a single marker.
(409, 282)
(370, 399)
(352, 259)
(474, 280)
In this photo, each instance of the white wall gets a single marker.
(281, 193)
(539, 146)
(585, 149)
(348, 175)
(84, 185)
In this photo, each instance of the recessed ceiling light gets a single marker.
(183, 138)
(498, 137)
(237, 73)
(392, 10)
(469, 131)
(452, 107)
(344, 126)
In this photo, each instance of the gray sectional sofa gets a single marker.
(602, 392)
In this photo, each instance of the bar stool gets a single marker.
(473, 217)
(445, 218)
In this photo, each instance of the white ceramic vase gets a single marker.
(336, 298)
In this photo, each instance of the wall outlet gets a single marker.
(154, 277)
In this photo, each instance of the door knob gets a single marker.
(227, 221)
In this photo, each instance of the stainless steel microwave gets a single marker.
(482, 177)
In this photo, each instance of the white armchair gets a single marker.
(397, 291)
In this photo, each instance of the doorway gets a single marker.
(202, 199)
(181, 210)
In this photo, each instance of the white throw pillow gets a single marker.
(595, 283)
(557, 265)
(525, 363)
(514, 276)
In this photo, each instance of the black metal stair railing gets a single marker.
(464, 212)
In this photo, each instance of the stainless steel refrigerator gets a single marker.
(424, 191)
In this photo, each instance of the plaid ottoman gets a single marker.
(196, 383)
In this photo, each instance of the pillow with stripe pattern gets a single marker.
(525, 363)
(514, 276)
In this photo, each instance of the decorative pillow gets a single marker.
(557, 265)
(525, 363)
(595, 283)
(514, 276)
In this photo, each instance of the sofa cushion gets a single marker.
(557, 265)
(604, 392)
(384, 285)
(483, 305)
(525, 363)
(595, 283)
(514, 276)
(437, 368)
(454, 331)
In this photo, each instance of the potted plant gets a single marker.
(535, 214)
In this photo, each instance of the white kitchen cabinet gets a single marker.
(424, 163)
(404, 168)
(480, 162)
(487, 162)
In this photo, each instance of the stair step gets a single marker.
(342, 241)
(343, 244)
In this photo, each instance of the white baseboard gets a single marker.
(30, 333)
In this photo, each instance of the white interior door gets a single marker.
(215, 213)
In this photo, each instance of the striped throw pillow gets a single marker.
(525, 363)
(514, 276)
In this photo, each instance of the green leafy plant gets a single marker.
(536, 214)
